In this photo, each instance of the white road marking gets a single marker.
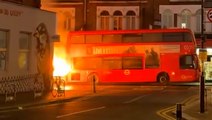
(134, 99)
(83, 111)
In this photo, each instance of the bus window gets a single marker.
(152, 37)
(77, 39)
(132, 62)
(111, 38)
(93, 39)
(132, 38)
(111, 63)
(89, 63)
(177, 37)
(187, 62)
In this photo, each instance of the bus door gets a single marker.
(189, 68)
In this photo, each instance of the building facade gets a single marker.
(26, 47)
(105, 14)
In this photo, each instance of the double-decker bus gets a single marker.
(160, 55)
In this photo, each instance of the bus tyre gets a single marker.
(163, 78)
(93, 77)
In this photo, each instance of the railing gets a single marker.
(10, 86)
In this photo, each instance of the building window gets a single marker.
(167, 19)
(104, 20)
(3, 48)
(67, 21)
(24, 50)
(198, 21)
(186, 18)
(130, 20)
(117, 17)
(117, 20)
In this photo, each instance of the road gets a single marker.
(122, 102)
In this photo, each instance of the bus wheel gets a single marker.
(163, 78)
(93, 77)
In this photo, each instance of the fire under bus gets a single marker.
(161, 55)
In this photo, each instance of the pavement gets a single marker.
(192, 110)
(190, 107)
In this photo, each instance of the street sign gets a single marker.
(203, 55)
(209, 15)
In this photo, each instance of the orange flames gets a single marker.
(61, 67)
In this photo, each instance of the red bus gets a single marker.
(160, 55)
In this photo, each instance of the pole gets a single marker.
(202, 92)
(202, 24)
(85, 15)
(202, 80)
(94, 84)
(179, 111)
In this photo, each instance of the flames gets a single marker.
(61, 67)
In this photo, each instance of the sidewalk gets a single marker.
(191, 111)
(29, 98)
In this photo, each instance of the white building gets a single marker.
(188, 16)
(25, 47)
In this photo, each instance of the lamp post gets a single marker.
(202, 80)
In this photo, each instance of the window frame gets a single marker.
(26, 50)
(4, 51)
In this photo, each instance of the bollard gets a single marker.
(179, 111)
(94, 84)
(202, 94)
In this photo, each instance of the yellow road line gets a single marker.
(164, 112)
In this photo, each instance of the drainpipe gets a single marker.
(84, 15)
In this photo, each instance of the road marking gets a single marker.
(150, 88)
(134, 99)
(164, 112)
(83, 111)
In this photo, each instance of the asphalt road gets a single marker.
(112, 103)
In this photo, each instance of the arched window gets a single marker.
(104, 20)
(186, 18)
(167, 19)
(117, 21)
(198, 20)
(130, 19)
